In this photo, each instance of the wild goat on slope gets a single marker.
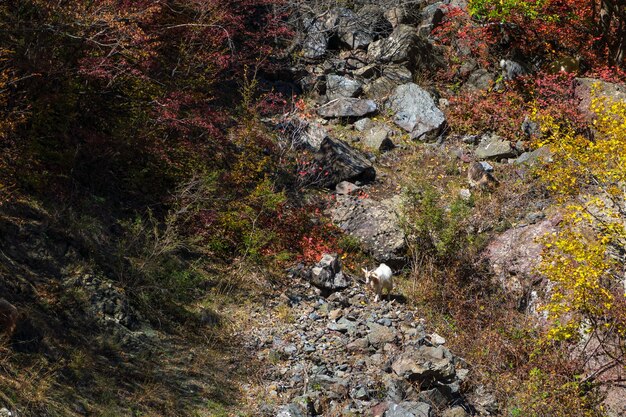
(379, 279)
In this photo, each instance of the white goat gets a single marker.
(379, 279)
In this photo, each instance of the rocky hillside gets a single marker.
(188, 201)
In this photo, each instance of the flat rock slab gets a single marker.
(495, 147)
(347, 107)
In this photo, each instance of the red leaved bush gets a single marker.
(128, 97)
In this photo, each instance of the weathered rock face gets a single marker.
(327, 274)
(404, 45)
(358, 30)
(338, 86)
(347, 107)
(426, 364)
(587, 87)
(315, 44)
(336, 162)
(390, 77)
(495, 147)
(374, 223)
(514, 255)
(416, 112)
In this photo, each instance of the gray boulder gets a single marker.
(426, 365)
(409, 409)
(494, 147)
(541, 154)
(416, 112)
(315, 44)
(363, 124)
(379, 335)
(327, 274)
(375, 224)
(347, 107)
(338, 86)
(336, 161)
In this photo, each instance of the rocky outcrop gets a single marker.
(338, 86)
(374, 223)
(404, 45)
(415, 111)
(513, 257)
(390, 77)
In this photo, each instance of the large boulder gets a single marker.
(514, 256)
(336, 161)
(586, 88)
(404, 45)
(426, 365)
(376, 224)
(338, 86)
(327, 274)
(415, 111)
(494, 147)
(315, 43)
(347, 107)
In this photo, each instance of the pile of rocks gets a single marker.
(346, 355)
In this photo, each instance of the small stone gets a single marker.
(454, 412)
(345, 188)
(363, 124)
(385, 322)
(436, 339)
(335, 314)
(379, 335)
(487, 166)
(465, 194)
